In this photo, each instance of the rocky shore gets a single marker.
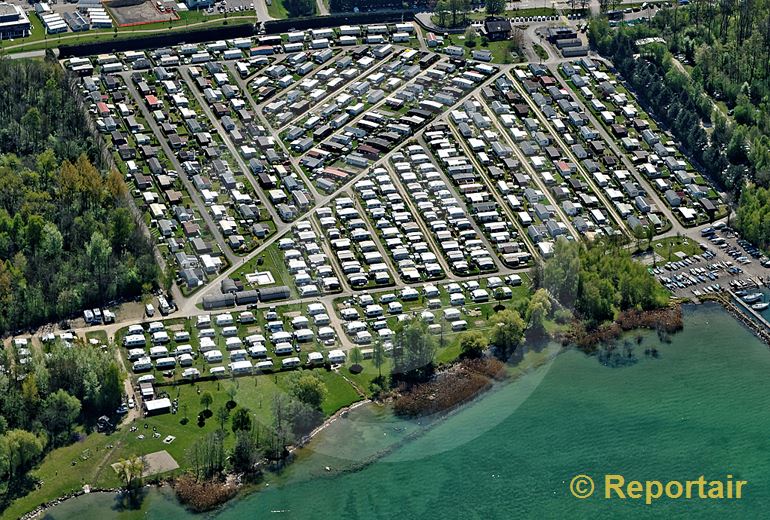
(35, 513)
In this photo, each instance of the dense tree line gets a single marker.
(297, 8)
(37, 111)
(730, 53)
(67, 237)
(753, 218)
(346, 6)
(598, 281)
(67, 240)
(43, 400)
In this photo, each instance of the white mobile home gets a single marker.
(241, 367)
(282, 349)
(213, 356)
(134, 340)
(164, 363)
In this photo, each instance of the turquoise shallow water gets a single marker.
(701, 408)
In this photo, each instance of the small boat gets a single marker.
(753, 297)
(760, 306)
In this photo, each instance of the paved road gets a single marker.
(260, 6)
(171, 156)
(574, 160)
(225, 135)
(534, 175)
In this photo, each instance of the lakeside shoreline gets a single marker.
(244, 491)
(520, 369)
(166, 482)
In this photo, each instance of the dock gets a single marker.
(746, 315)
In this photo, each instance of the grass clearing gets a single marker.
(276, 9)
(669, 247)
(540, 51)
(67, 469)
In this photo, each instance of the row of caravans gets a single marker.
(238, 366)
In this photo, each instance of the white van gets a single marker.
(230, 331)
(135, 330)
(207, 333)
(213, 356)
(183, 349)
(142, 364)
(283, 349)
(217, 371)
(136, 353)
(158, 352)
(191, 373)
(182, 335)
(207, 344)
(160, 337)
(267, 364)
(135, 340)
(459, 325)
(155, 326)
(166, 362)
(258, 351)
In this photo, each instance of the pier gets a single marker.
(746, 315)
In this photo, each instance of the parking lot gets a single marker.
(725, 263)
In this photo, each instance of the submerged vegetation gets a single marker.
(449, 389)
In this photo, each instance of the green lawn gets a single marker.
(500, 51)
(540, 51)
(89, 461)
(668, 247)
(98, 335)
(271, 260)
(276, 9)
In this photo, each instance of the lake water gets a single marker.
(702, 407)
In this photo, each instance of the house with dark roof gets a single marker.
(497, 29)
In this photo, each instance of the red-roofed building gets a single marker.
(152, 101)
(334, 173)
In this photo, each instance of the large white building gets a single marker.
(14, 22)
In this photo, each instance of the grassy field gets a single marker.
(540, 51)
(668, 247)
(500, 52)
(269, 260)
(89, 461)
(277, 10)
